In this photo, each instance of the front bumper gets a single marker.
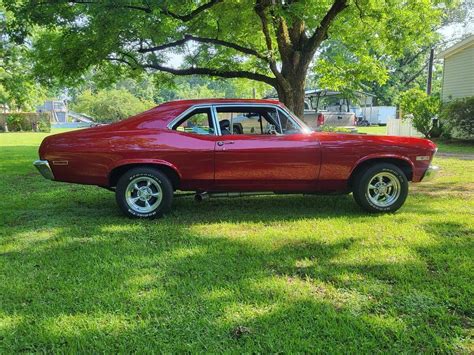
(44, 168)
(430, 173)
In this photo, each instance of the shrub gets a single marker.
(110, 105)
(421, 107)
(458, 118)
(25, 121)
(325, 128)
(17, 122)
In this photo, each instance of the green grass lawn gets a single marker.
(257, 274)
(379, 130)
(455, 146)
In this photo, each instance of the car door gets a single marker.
(249, 156)
(191, 148)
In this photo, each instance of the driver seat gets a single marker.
(225, 127)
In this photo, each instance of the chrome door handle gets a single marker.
(221, 143)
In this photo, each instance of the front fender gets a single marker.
(382, 156)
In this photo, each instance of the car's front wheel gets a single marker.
(144, 193)
(381, 188)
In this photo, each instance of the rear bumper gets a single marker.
(44, 168)
(430, 173)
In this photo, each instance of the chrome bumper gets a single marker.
(44, 168)
(430, 173)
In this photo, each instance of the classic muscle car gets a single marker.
(232, 146)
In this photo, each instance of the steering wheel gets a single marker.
(271, 129)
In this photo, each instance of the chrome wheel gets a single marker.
(143, 194)
(383, 189)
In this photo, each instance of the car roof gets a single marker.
(161, 115)
(191, 102)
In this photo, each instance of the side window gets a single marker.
(236, 120)
(254, 121)
(287, 126)
(198, 121)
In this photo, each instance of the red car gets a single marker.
(239, 146)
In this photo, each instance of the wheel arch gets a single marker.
(403, 163)
(165, 167)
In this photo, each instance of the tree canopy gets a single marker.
(18, 87)
(270, 41)
(110, 105)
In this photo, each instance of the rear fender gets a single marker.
(157, 162)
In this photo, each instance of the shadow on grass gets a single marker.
(122, 286)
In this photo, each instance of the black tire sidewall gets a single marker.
(159, 177)
(362, 180)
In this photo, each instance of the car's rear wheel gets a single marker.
(144, 193)
(381, 188)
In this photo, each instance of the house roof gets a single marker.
(465, 43)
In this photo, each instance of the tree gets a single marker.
(110, 105)
(270, 41)
(18, 88)
(337, 68)
(421, 107)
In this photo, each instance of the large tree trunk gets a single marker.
(291, 90)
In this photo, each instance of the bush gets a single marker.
(325, 128)
(25, 121)
(421, 107)
(110, 105)
(458, 118)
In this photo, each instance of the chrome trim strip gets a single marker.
(430, 173)
(215, 121)
(44, 169)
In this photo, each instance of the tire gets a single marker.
(388, 188)
(153, 197)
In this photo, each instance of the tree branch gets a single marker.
(192, 14)
(320, 33)
(260, 7)
(216, 41)
(416, 75)
(195, 70)
(149, 10)
(161, 47)
(214, 72)
(260, 10)
(132, 7)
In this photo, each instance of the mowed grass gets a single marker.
(378, 130)
(257, 274)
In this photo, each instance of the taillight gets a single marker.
(320, 119)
